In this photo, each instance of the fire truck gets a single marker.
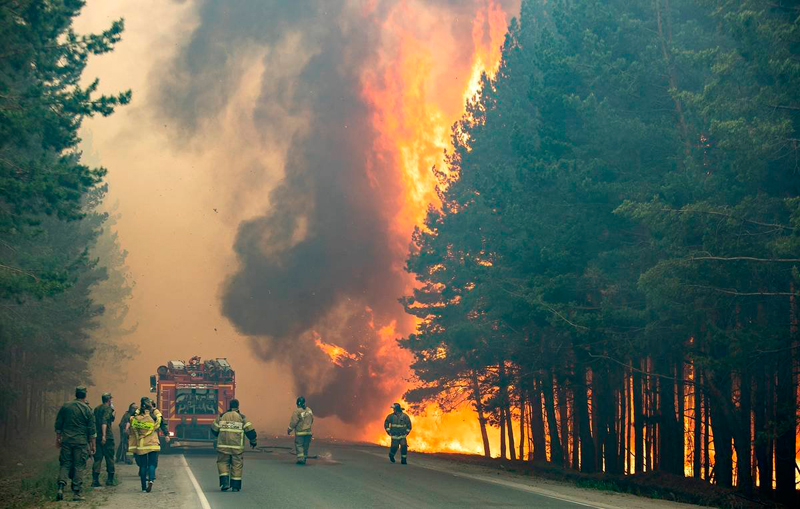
(190, 396)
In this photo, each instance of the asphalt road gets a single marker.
(355, 476)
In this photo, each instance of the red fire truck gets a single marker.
(190, 396)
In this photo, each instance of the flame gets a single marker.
(417, 93)
(337, 354)
(435, 430)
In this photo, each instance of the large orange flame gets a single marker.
(417, 92)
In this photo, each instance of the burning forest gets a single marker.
(564, 234)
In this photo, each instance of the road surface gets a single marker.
(351, 476)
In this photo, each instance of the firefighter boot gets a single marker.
(224, 482)
(78, 497)
(95, 480)
(236, 484)
(60, 492)
(110, 480)
(403, 460)
(391, 457)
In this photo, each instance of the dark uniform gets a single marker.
(75, 424)
(104, 414)
(122, 450)
(398, 426)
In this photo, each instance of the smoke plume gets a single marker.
(319, 271)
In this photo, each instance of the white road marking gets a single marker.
(203, 500)
(509, 484)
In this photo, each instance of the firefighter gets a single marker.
(104, 418)
(300, 423)
(230, 429)
(75, 432)
(143, 442)
(124, 428)
(398, 426)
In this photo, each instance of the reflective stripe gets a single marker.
(231, 430)
(143, 424)
(236, 478)
(223, 446)
(149, 448)
(302, 433)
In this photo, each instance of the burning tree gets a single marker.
(614, 261)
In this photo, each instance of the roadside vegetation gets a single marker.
(63, 283)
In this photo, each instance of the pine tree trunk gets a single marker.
(785, 420)
(522, 413)
(477, 400)
(706, 437)
(502, 431)
(742, 438)
(670, 454)
(622, 428)
(638, 423)
(505, 401)
(537, 425)
(680, 432)
(763, 455)
(587, 448)
(723, 459)
(697, 464)
(556, 453)
(786, 415)
(564, 418)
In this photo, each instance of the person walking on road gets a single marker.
(143, 442)
(300, 423)
(75, 433)
(124, 428)
(104, 449)
(398, 426)
(230, 429)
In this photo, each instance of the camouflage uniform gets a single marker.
(104, 414)
(75, 424)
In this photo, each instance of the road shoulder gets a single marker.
(550, 488)
(173, 487)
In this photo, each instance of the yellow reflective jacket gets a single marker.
(301, 421)
(230, 429)
(143, 437)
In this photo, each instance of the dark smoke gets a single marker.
(320, 261)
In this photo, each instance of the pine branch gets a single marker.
(746, 258)
(745, 294)
(731, 216)
(18, 271)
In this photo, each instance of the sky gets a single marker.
(180, 203)
(265, 195)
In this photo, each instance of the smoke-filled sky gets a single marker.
(260, 199)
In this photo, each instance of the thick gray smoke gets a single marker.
(319, 264)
